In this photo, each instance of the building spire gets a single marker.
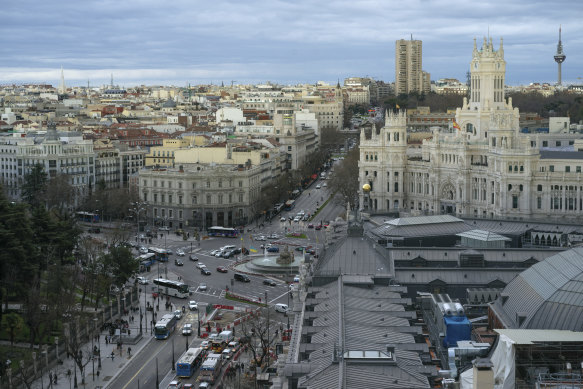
(62, 87)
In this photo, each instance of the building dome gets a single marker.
(548, 295)
(169, 104)
(366, 187)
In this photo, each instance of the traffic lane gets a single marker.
(142, 366)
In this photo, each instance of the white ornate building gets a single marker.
(486, 168)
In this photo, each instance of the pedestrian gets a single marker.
(129, 332)
(55, 378)
(50, 376)
(129, 351)
(112, 356)
(106, 339)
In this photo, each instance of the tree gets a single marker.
(260, 334)
(35, 186)
(120, 262)
(13, 322)
(345, 179)
(60, 194)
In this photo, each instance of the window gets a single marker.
(155, 197)
(155, 183)
(240, 184)
(514, 202)
(208, 199)
(208, 184)
(180, 185)
(539, 202)
(194, 185)
(145, 182)
(578, 169)
(161, 184)
(539, 188)
(220, 183)
(552, 168)
(170, 199)
(180, 200)
(230, 198)
(396, 187)
(162, 198)
(240, 197)
(289, 148)
(567, 169)
(180, 214)
(145, 197)
(170, 213)
(194, 200)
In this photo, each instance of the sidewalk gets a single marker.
(110, 367)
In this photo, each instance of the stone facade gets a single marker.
(483, 167)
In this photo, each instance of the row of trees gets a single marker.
(48, 271)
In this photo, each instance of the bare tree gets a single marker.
(259, 334)
(345, 179)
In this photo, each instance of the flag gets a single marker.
(456, 126)
(252, 249)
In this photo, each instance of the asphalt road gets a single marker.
(143, 366)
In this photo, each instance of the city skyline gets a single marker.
(144, 42)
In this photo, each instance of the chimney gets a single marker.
(483, 374)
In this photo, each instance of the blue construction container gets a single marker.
(456, 328)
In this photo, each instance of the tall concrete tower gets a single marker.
(560, 56)
(408, 66)
(62, 87)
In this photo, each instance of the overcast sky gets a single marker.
(286, 41)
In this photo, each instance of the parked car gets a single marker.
(192, 305)
(178, 262)
(180, 253)
(193, 257)
(222, 269)
(187, 329)
(202, 286)
(205, 272)
(269, 282)
(241, 277)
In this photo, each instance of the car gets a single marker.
(178, 314)
(193, 257)
(269, 282)
(214, 252)
(245, 251)
(296, 278)
(318, 186)
(228, 254)
(273, 236)
(192, 305)
(180, 252)
(318, 227)
(310, 251)
(222, 269)
(175, 385)
(187, 329)
(169, 251)
(282, 308)
(283, 219)
(241, 277)
(297, 219)
(94, 230)
(142, 280)
(306, 217)
(300, 248)
(188, 386)
(260, 237)
(178, 262)
(200, 265)
(165, 228)
(273, 249)
(301, 213)
(310, 225)
(204, 385)
(143, 250)
(205, 344)
(205, 272)
(324, 185)
(202, 286)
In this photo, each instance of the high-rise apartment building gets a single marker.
(409, 75)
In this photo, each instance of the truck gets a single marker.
(211, 368)
(226, 336)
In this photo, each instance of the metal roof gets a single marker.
(548, 295)
(519, 336)
(485, 236)
(422, 220)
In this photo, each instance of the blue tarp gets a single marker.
(456, 328)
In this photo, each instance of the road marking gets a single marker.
(147, 364)
(278, 297)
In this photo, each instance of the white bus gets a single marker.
(172, 288)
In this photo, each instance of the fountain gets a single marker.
(284, 263)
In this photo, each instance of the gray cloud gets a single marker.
(292, 41)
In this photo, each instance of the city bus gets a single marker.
(165, 326)
(146, 261)
(211, 368)
(189, 362)
(88, 217)
(223, 231)
(172, 288)
(161, 254)
(289, 205)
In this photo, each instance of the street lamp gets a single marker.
(138, 207)
(268, 341)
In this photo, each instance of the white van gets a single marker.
(282, 308)
(228, 247)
